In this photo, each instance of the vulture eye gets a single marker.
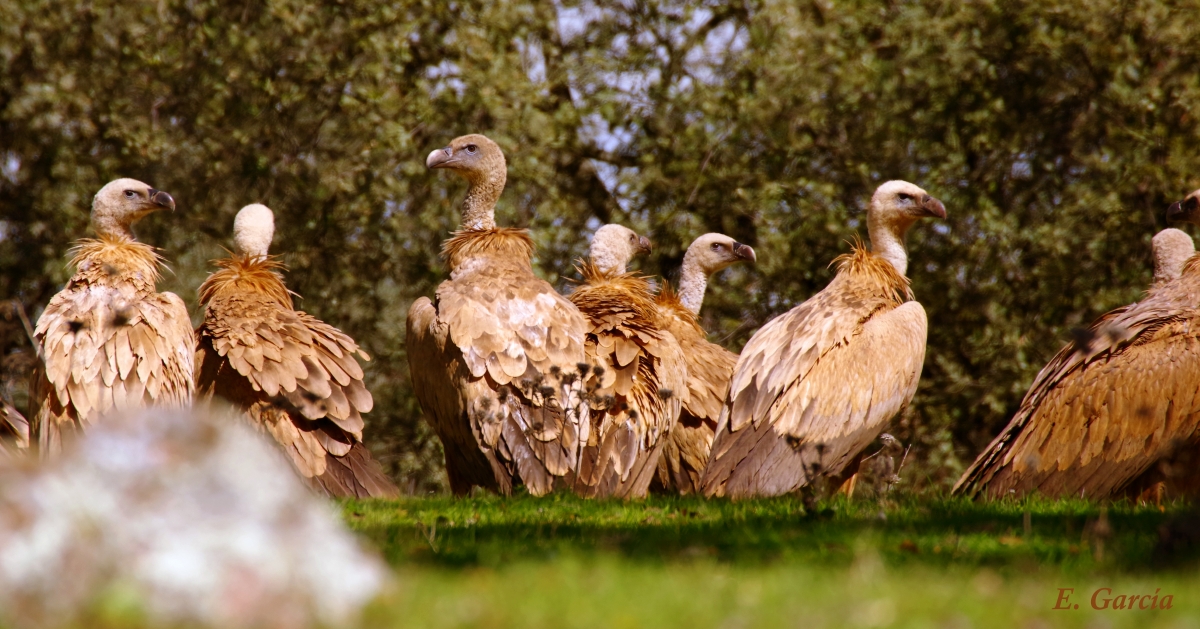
(904, 196)
(716, 246)
(129, 194)
(471, 148)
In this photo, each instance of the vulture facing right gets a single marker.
(291, 374)
(1112, 409)
(109, 341)
(709, 366)
(638, 379)
(814, 386)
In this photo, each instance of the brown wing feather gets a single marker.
(1104, 411)
(110, 342)
(14, 431)
(638, 396)
(493, 363)
(296, 377)
(825, 377)
(709, 369)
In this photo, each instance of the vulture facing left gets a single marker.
(1118, 409)
(709, 366)
(638, 378)
(109, 340)
(493, 356)
(292, 375)
(814, 386)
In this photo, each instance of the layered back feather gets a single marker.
(1111, 410)
(709, 369)
(294, 376)
(109, 341)
(493, 361)
(816, 384)
(637, 386)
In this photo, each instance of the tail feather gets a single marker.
(355, 475)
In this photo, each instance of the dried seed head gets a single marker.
(583, 368)
(598, 370)
(555, 371)
(665, 394)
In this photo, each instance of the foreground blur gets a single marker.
(185, 517)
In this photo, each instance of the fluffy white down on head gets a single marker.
(253, 230)
(613, 247)
(1172, 248)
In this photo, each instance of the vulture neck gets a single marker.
(693, 281)
(110, 227)
(887, 240)
(479, 208)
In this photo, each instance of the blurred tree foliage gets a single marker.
(1056, 132)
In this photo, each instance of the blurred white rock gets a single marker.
(187, 514)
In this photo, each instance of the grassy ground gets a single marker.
(683, 562)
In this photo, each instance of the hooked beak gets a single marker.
(1183, 210)
(438, 157)
(933, 207)
(745, 252)
(644, 245)
(162, 199)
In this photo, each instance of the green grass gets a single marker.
(685, 562)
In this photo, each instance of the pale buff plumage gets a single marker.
(638, 381)
(814, 386)
(294, 376)
(108, 340)
(709, 366)
(1117, 410)
(493, 356)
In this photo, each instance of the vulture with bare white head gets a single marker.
(109, 340)
(638, 378)
(814, 386)
(292, 375)
(709, 366)
(493, 356)
(1116, 411)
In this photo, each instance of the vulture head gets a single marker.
(706, 255)
(1172, 248)
(124, 202)
(614, 246)
(903, 203)
(895, 206)
(1187, 210)
(711, 253)
(481, 162)
(253, 229)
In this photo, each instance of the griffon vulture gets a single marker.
(1113, 408)
(638, 377)
(709, 366)
(293, 375)
(815, 385)
(108, 340)
(493, 356)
